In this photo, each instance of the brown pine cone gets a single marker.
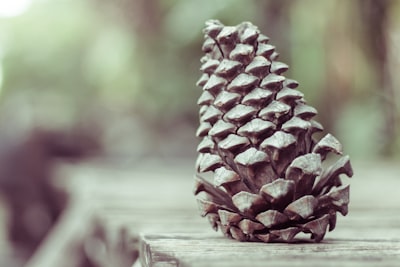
(260, 174)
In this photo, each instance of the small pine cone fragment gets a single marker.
(261, 176)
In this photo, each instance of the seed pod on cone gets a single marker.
(261, 176)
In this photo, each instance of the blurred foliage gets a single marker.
(131, 65)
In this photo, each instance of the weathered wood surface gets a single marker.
(152, 209)
(359, 242)
(210, 251)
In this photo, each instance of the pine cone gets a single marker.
(260, 174)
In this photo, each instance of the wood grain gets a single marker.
(207, 250)
(356, 242)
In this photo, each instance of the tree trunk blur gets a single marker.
(275, 21)
(374, 17)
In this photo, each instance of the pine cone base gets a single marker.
(261, 176)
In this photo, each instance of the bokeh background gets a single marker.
(116, 79)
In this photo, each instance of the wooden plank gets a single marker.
(359, 240)
(368, 236)
(209, 250)
(158, 205)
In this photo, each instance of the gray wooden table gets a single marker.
(147, 216)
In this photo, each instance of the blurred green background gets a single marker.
(125, 70)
